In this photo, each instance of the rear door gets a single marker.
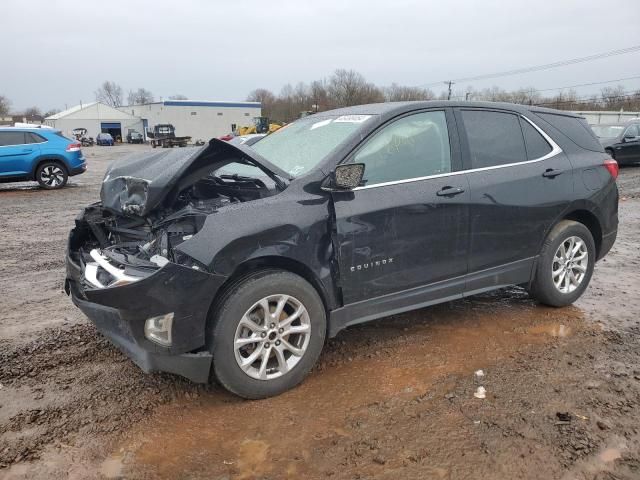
(520, 182)
(407, 226)
(17, 153)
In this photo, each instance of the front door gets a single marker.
(406, 227)
(17, 152)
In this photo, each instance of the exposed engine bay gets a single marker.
(116, 249)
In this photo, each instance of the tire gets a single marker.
(572, 284)
(234, 312)
(51, 175)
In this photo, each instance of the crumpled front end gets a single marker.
(151, 302)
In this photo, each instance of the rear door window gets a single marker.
(537, 146)
(495, 138)
(411, 147)
(11, 138)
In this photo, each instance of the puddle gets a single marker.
(553, 330)
(401, 357)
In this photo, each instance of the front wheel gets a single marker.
(51, 175)
(268, 333)
(565, 264)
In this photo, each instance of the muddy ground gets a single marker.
(391, 399)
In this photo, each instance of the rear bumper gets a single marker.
(78, 169)
(607, 242)
(120, 313)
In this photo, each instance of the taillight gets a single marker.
(227, 137)
(612, 166)
(74, 147)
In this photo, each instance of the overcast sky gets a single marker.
(56, 53)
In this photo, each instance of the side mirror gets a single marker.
(628, 138)
(346, 177)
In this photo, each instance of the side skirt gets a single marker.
(514, 273)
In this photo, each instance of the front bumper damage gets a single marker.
(120, 312)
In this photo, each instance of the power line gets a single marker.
(587, 84)
(466, 96)
(547, 66)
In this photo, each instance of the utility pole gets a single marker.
(449, 83)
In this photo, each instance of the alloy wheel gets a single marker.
(52, 176)
(272, 337)
(570, 264)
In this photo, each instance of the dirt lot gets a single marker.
(392, 399)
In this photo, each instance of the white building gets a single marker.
(200, 120)
(96, 117)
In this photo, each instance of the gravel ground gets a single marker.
(389, 399)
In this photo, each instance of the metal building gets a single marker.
(200, 120)
(96, 117)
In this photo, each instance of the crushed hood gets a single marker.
(139, 183)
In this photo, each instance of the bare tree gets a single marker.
(399, 93)
(32, 112)
(141, 96)
(110, 93)
(50, 112)
(348, 87)
(266, 98)
(5, 104)
(178, 96)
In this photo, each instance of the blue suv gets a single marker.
(40, 154)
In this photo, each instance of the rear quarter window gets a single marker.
(35, 138)
(575, 129)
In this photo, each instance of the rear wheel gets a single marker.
(268, 333)
(51, 175)
(565, 264)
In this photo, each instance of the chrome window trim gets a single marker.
(555, 150)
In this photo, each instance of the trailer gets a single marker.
(164, 135)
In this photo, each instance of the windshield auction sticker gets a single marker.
(352, 118)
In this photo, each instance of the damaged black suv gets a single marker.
(234, 263)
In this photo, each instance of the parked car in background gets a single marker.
(620, 140)
(40, 154)
(104, 139)
(134, 137)
(349, 215)
(247, 140)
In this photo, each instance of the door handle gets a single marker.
(27, 150)
(449, 191)
(551, 173)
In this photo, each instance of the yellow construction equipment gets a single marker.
(260, 125)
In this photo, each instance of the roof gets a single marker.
(203, 103)
(28, 129)
(69, 111)
(100, 110)
(400, 107)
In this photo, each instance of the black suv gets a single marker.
(134, 137)
(243, 261)
(621, 141)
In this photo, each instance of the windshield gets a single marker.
(300, 146)
(607, 131)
